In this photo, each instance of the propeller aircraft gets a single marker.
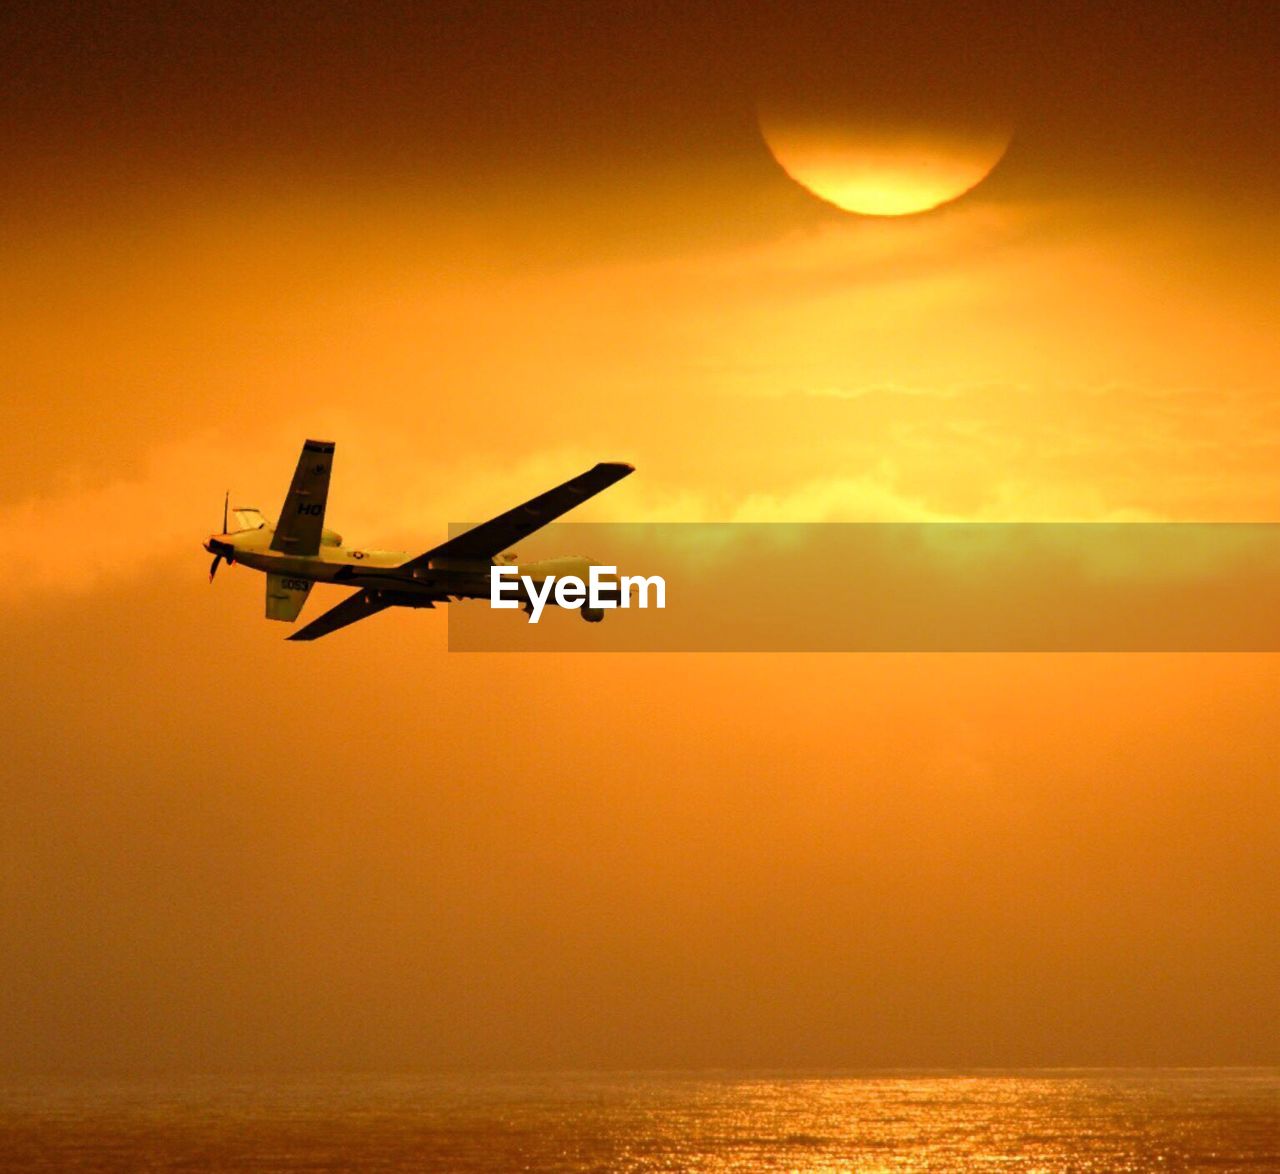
(299, 551)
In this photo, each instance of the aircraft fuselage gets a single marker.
(380, 570)
(298, 551)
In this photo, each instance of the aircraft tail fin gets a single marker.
(285, 596)
(301, 526)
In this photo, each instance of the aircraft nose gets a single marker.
(220, 550)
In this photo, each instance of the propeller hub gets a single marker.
(214, 544)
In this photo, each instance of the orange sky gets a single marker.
(481, 255)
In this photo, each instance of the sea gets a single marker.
(1041, 1120)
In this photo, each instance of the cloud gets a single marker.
(78, 538)
(856, 391)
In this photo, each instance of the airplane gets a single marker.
(298, 551)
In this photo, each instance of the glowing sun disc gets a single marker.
(883, 173)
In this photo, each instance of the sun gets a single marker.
(886, 171)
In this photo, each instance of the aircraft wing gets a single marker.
(302, 518)
(355, 607)
(481, 543)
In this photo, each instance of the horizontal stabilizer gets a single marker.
(285, 596)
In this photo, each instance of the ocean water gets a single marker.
(1054, 1120)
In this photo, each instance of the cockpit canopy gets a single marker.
(247, 518)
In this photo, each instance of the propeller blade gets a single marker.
(226, 501)
(213, 570)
